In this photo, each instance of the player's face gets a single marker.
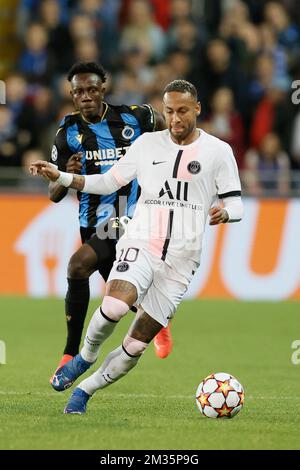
(87, 93)
(181, 111)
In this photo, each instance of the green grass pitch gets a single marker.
(153, 407)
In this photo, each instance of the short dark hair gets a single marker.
(182, 86)
(87, 67)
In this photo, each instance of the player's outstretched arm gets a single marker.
(50, 171)
(119, 175)
(92, 184)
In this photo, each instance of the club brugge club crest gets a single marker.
(122, 267)
(127, 132)
(194, 167)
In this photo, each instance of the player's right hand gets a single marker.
(46, 169)
(74, 164)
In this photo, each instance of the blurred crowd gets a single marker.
(242, 55)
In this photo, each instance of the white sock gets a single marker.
(98, 330)
(115, 366)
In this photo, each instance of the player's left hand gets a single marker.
(46, 169)
(218, 216)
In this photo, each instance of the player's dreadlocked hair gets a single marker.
(182, 86)
(87, 67)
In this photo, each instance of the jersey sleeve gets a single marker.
(127, 167)
(145, 116)
(61, 151)
(227, 178)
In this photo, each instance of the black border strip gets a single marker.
(107, 318)
(169, 231)
(177, 161)
(130, 355)
(230, 194)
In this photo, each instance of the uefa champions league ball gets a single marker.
(220, 396)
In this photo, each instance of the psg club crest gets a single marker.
(122, 267)
(194, 167)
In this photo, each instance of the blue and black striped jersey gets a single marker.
(102, 144)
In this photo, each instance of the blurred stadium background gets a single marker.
(243, 57)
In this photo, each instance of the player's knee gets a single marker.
(76, 270)
(134, 347)
(114, 308)
(79, 267)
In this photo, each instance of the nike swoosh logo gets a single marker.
(157, 163)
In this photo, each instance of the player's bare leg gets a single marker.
(163, 341)
(82, 264)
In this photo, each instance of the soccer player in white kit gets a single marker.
(183, 172)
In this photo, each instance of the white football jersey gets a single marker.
(179, 184)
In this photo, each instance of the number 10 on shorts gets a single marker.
(129, 255)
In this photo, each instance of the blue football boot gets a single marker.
(66, 375)
(77, 403)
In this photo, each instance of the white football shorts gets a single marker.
(160, 284)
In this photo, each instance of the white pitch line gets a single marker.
(140, 395)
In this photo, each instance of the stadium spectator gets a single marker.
(50, 16)
(141, 31)
(81, 27)
(36, 63)
(136, 63)
(28, 12)
(267, 170)
(86, 50)
(226, 123)
(103, 17)
(163, 72)
(20, 121)
(287, 32)
(185, 36)
(181, 63)
(10, 154)
(221, 71)
(269, 45)
(18, 103)
(263, 119)
(44, 115)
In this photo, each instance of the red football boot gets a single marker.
(163, 342)
(66, 358)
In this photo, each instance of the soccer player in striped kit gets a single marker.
(186, 177)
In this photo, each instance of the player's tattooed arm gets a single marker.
(78, 182)
(56, 192)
